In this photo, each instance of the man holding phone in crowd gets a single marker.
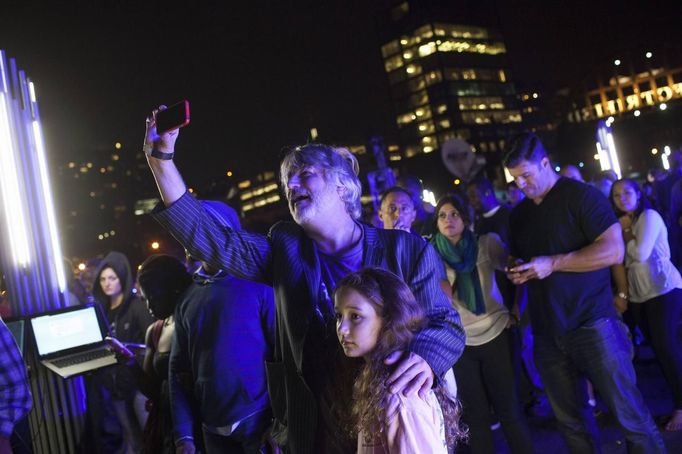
(302, 262)
(565, 235)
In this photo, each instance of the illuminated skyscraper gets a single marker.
(448, 78)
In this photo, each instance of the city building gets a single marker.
(448, 79)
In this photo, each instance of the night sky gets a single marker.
(259, 77)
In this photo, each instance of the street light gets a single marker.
(155, 245)
(648, 55)
(662, 106)
(616, 62)
(637, 113)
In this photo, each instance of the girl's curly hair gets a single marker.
(402, 318)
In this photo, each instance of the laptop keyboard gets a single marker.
(78, 359)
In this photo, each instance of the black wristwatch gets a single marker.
(161, 155)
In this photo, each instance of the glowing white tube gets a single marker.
(3, 72)
(666, 163)
(613, 154)
(13, 204)
(49, 204)
(603, 158)
(508, 178)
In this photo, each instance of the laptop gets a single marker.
(71, 342)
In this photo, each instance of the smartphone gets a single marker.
(174, 117)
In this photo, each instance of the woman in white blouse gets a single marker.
(653, 286)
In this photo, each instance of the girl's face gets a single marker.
(450, 223)
(357, 323)
(110, 283)
(625, 197)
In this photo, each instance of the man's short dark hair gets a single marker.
(392, 190)
(524, 147)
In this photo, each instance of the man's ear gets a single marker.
(341, 190)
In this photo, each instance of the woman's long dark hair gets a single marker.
(642, 204)
(402, 318)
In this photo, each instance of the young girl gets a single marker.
(376, 314)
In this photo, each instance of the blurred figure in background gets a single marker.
(397, 209)
(604, 180)
(572, 172)
(163, 281)
(514, 194)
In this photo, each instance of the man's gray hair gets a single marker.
(338, 165)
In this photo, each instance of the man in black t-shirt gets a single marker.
(564, 236)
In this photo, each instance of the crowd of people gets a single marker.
(415, 331)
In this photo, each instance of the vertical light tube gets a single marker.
(14, 210)
(47, 197)
(604, 161)
(613, 154)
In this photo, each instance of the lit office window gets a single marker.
(444, 123)
(481, 103)
(416, 84)
(413, 70)
(477, 118)
(433, 77)
(425, 32)
(427, 49)
(419, 99)
(393, 63)
(390, 48)
(426, 128)
(462, 45)
(441, 108)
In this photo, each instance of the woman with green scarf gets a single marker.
(484, 373)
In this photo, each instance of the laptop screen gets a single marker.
(66, 330)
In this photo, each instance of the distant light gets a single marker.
(581, 164)
(535, 96)
(557, 168)
(610, 119)
(112, 232)
(616, 62)
(101, 237)
(155, 245)
(596, 157)
(637, 113)
(662, 106)
(654, 151)
(81, 266)
(457, 181)
(191, 190)
(664, 160)
(313, 133)
(429, 197)
(229, 173)
(117, 145)
(666, 150)
(648, 55)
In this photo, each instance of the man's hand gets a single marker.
(412, 374)
(165, 142)
(537, 268)
(185, 447)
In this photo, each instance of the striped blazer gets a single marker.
(286, 259)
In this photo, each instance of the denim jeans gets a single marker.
(601, 351)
